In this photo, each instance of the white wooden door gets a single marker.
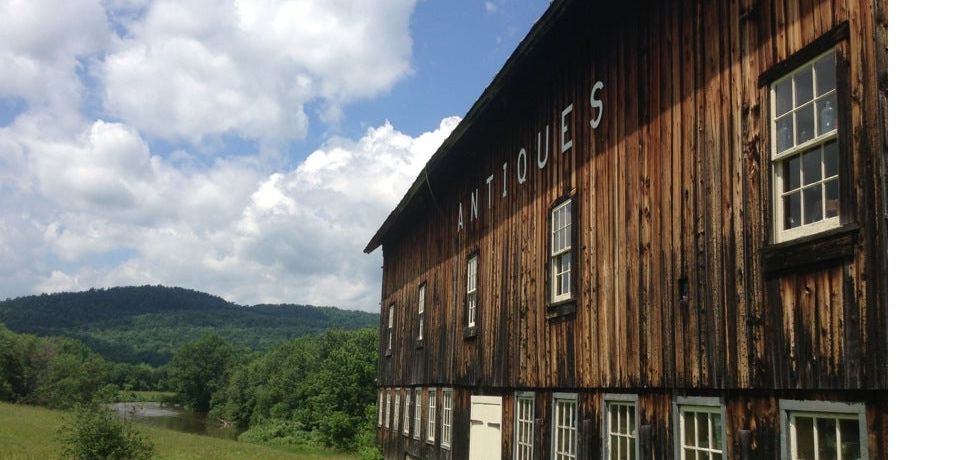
(486, 413)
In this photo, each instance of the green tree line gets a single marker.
(146, 324)
(317, 390)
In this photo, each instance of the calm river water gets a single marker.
(173, 418)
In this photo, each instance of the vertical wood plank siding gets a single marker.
(672, 189)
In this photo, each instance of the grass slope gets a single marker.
(29, 433)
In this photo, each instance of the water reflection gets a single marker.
(173, 418)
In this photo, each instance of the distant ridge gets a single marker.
(145, 324)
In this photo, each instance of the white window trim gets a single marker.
(389, 403)
(431, 415)
(825, 408)
(380, 408)
(472, 278)
(702, 404)
(390, 327)
(446, 419)
(396, 409)
(616, 398)
(555, 254)
(407, 407)
(564, 397)
(417, 412)
(421, 308)
(525, 395)
(778, 159)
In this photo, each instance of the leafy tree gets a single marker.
(54, 372)
(7, 363)
(95, 433)
(337, 395)
(200, 368)
(313, 390)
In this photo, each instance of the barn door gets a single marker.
(485, 417)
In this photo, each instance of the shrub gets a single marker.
(95, 433)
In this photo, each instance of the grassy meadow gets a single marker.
(30, 433)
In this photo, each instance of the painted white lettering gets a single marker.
(567, 144)
(541, 162)
(489, 196)
(460, 217)
(504, 179)
(596, 104)
(473, 204)
(522, 166)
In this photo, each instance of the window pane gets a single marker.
(827, 438)
(826, 69)
(784, 133)
(811, 167)
(804, 433)
(791, 210)
(812, 204)
(849, 439)
(831, 163)
(832, 188)
(805, 124)
(717, 431)
(689, 430)
(784, 92)
(804, 85)
(791, 174)
(703, 429)
(828, 114)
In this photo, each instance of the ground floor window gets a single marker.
(700, 428)
(380, 408)
(408, 403)
(620, 427)
(523, 440)
(820, 430)
(446, 433)
(396, 409)
(417, 395)
(431, 415)
(564, 427)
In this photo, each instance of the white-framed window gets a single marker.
(561, 254)
(620, 428)
(820, 430)
(417, 407)
(805, 151)
(699, 428)
(431, 415)
(386, 407)
(446, 432)
(523, 438)
(390, 328)
(407, 405)
(472, 290)
(381, 407)
(564, 426)
(396, 409)
(421, 308)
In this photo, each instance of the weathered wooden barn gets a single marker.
(660, 233)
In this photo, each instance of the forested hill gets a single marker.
(146, 324)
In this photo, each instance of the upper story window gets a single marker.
(523, 439)
(806, 164)
(421, 308)
(819, 430)
(472, 290)
(700, 429)
(446, 434)
(390, 330)
(561, 254)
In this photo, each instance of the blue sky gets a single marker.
(245, 148)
